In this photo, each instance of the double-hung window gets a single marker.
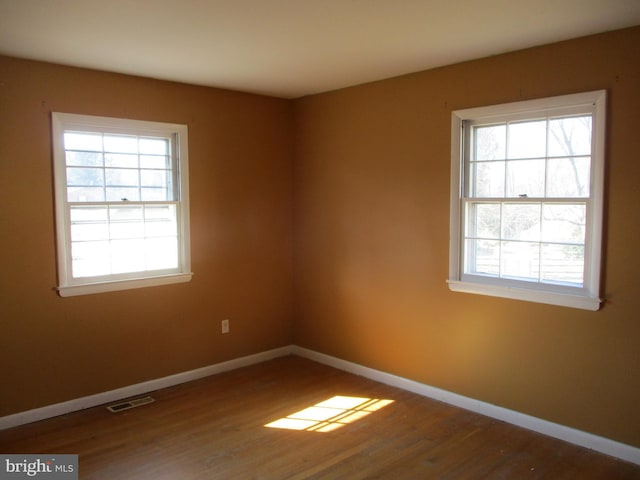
(527, 199)
(122, 204)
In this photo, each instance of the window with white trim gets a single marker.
(527, 183)
(122, 203)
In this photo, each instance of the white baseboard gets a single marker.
(568, 434)
(137, 389)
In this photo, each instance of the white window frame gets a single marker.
(67, 284)
(588, 296)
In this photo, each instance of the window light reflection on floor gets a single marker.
(330, 414)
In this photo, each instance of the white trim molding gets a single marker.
(171, 163)
(552, 298)
(530, 285)
(561, 432)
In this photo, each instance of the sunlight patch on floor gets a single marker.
(331, 414)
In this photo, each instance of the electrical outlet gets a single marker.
(225, 326)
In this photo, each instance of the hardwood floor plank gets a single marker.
(214, 428)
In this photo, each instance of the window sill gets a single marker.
(551, 298)
(89, 288)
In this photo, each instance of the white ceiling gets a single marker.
(291, 48)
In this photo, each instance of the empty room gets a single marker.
(342, 239)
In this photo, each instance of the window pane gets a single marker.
(125, 213)
(126, 222)
(153, 178)
(161, 253)
(484, 220)
(563, 223)
(487, 179)
(528, 139)
(525, 178)
(128, 256)
(520, 260)
(77, 176)
(568, 177)
(120, 144)
(89, 223)
(127, 230)
(161, 221)
(90, 259)
(563, 263)
(85, 194)
(83, 141)
(152, 194)
(482, 257)
(89, 231)
(521, 221)
(158, 228)
(121, 177)
(125, 160)
(88, 214)
(84, 159)
(116, 194)
(154, 161)
(159, 212)
(570, 137)
(154, 146)
(490, 142)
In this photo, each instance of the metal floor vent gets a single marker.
(118, 407)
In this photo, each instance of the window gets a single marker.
(122, 205)
(527, 200)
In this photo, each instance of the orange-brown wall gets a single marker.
(54, 349)
(372, 241)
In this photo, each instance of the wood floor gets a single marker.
(214, 428)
